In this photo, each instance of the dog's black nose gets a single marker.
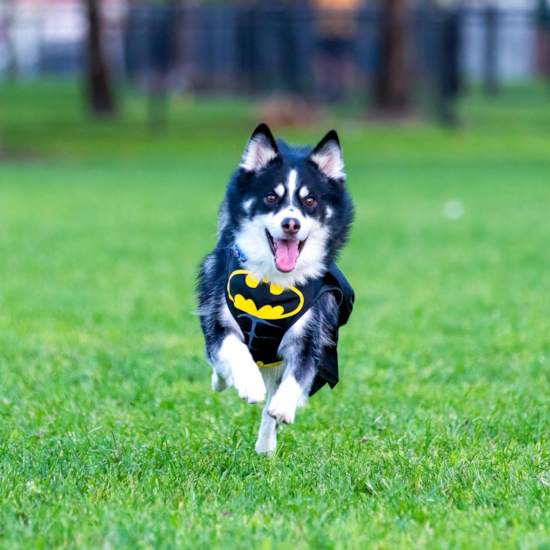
(291, 226)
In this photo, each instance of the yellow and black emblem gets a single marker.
(264, 311)
(263, 296)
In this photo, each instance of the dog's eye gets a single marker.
(309, 201)
(271, 198)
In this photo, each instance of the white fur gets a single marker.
(294, 335)
(287, 398)
(235, 366)
(228, 321)
(330, 161)
(288, 395)
(304, 192)
(235, 362)
(280, 190)
(223, 218)
(272, 377)
(248, 204)
(219, 383)
(209, 263)
(329, 211)
(267, 436)
(252, 240)
(291, 185)
(258, 153)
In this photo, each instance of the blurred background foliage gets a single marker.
(386, 61)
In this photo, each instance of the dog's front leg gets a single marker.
(297, 352)
(234, 362)
(293, 390)
(267, 437)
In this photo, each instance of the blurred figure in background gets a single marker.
(336, 23)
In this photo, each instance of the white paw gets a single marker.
(219, 383)
(284, 402)
(283, 408)
(246, 375)
(251, 386)
(266, 444)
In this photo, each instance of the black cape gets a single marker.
(265, 312)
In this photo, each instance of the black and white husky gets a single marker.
(271, 299)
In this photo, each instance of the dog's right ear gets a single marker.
(260, 150)
(327, 155)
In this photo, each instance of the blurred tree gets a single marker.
(543, 38)
(7, 23)
(100, 95)
(392, 94)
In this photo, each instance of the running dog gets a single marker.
(271, 299)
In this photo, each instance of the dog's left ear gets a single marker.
(328, 157)
(260, 150)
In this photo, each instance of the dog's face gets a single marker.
(288, 208)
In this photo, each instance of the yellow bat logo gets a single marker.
(267, 311)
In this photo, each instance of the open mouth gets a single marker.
(285, 252)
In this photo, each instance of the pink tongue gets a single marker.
(287, 254)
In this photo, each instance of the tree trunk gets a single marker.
(543, 39)
(393, 86)
(11, 69)
(100, 94)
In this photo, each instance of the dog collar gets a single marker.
(240, 254)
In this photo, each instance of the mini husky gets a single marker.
(271, 299)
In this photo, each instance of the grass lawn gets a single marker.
(437, 435)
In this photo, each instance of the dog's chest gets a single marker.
(265, 311)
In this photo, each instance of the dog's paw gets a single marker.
(266, 444)
(282, 409)
(219, 383)
(285, 401)
(251, 387)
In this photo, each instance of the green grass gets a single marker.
(110, 437)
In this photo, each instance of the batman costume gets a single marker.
(265, 312)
